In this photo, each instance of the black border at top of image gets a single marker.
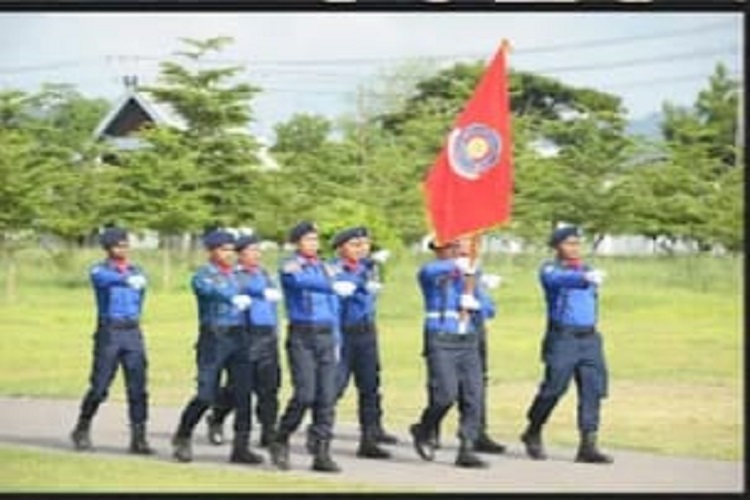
(376, 5)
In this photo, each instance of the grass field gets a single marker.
(672, 328)
(64, 472)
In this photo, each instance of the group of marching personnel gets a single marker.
(332, 337)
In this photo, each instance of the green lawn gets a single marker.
(672, 329)
(23, 469)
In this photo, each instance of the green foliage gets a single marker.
(340, 214)
(217, 113)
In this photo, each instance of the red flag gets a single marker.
(469, 187)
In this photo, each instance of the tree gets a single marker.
(160, 187)
(217, 113)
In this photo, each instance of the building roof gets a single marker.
(161, 114)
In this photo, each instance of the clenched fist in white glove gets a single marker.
(344, 288)
(136, 281)
(381, 256)
(272, 294)
(491, 280)
(470, 302)
(465, 265)
(373, 287)
(241, 302)
(595, 276)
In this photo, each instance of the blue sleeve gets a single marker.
(433, 270)
(488, 305)
(255, 288)
(556, 277)
(306, 281)
(103, 277)
(204, 286)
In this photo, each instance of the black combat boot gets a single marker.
(311, 442)
(81, 435)
(266, 436)
(138, 443)
(589, 453)
(368, 446)
(279, 449)
(485, 444)
(322, 462)
(435, 438)
(215, 430)
(183, 450)
(383, 437)
(422, 443)
(241, 452)
(467, 458)
(532, 439)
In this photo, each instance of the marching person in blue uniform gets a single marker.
(452, 354)
(571, 348)
(261, 320)
(373, 262)
(487, 311)
(359, 349)
(119, 287)
(313, 340)
(223, 344)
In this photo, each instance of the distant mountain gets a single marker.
(648, 126)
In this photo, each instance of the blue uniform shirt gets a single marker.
(489, 309)
(571, 300)
(214, 290)
(442, 285)
(254, 282)
(308, 295)
(114, 298)
(360, 306)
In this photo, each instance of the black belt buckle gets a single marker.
(311, 329)
(121, 324)
(357, 328)
(455, 337)
(226, 330)
(260, 330)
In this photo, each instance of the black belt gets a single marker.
(261, 330)
(310, 329)
(453, 337)
(120, 324)
(222, 330)
(358, 328)
(576, 331)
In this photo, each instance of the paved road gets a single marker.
(46, 423)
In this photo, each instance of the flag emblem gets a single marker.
(473, 150)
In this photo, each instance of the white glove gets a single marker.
(491, 280)
(470, 302)
(381, 256)
(136, 281)
(463, 327)
(465, 265)
(596, 276)
(241, 302)
(373, 287)
(344, 288)
(272, 294)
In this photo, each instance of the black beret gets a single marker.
(363, 232)
(562, 233)
(300, 230)
(245, 241)
(218, 238)
(432, 245)
(112, 236)
(346, 235)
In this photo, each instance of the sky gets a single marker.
(313, 61)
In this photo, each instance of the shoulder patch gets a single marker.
(548, 268)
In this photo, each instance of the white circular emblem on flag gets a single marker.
(473, 150)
